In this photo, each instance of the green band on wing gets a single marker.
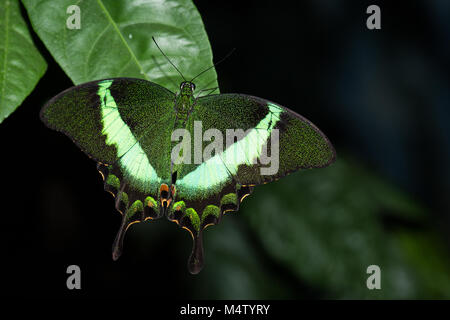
(230, 198)
(213, 172)
(150, 202)
(133, 159)
(137, 206)
(124, 198)
(179, 206)
(113, 181)
(210, 210)
(193, 216)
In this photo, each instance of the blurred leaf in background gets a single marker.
(115, 40)
(320, 230)
(21, 65)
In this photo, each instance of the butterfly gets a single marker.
(185, 157)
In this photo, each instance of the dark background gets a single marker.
(381, 96)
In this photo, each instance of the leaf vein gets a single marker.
(111, 21)
(2, 96)
(91, 49)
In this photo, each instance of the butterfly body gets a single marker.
(176, 155)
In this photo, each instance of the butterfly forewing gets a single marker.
(300, 144)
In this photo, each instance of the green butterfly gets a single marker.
(127, 126)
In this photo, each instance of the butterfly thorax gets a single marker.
(184, 102)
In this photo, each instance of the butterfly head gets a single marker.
(187, 88)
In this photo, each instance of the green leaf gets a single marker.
(115, 40)
(21, 65)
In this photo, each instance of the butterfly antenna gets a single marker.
(214, 65)
(162, 71)
(168, 59)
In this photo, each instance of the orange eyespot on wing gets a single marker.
(164, 195)
(164, 187)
